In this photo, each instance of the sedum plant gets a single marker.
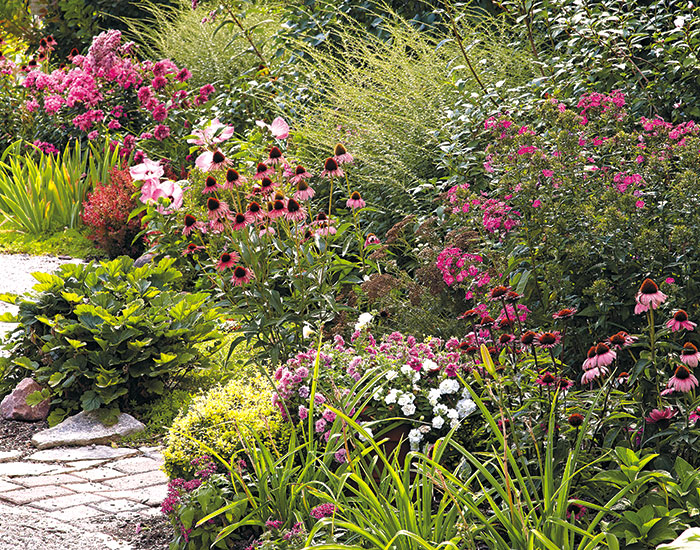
(100, 336)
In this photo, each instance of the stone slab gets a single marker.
(120, 505)
(93, 452)
(7, 486)
(38, 481)
(76, 513)
(85, 428)
(137, 465)
(137, 481)
(99, 474)
(9, 456)
(150, 496)
(34, 494)
(60, 503)
(87, 487)
(16, 469)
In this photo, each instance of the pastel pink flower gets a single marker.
(355, 201)
(690, 355)
(148, 169)
(649, 296)
(279, 127)
(679, 321)
(241, 276)
(682, 381)
(593, 374)
(215, 132)
(211, 160)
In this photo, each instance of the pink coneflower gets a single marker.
(622, 378)
(294, 211)
(210, 161)
(216, 209)
(274, 157)
(565, 384)
(649, 296)
(486, 321)
(233, 178)
(226, 260)
(304, 192)
(239, 221)
(528, 338)
(469, 314)
(191, 249)
(575, 510)
(548, 380)
(372, 239)
(254, 212)
(662, 418)
(504, 339)
(355, 201)
(548, 339)
(621, 340)
(263, 171)
(498, 292)
(279, 209)
(576, 420)
(682, 381)
(267, 186)
(695, 415)
(331, 168)
(512, 297)
(604, 355)
(679, 321)
(241, 276)
(690, 355)
(589, 362)
(190, 224)
(565, 313)
(341, 155)
(594, 373)
(300, 174)
(210, 185)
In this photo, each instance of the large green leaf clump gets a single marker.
(100, 336)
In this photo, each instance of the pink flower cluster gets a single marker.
(457, 267)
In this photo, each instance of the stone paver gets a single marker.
(119, 505)
(8, 456)
(37, 481)
(76, 513)
(59, 503)
(35, 494)
(137, 465)
(137, 481)
(16, 469)
(93, 452)
(99, 474)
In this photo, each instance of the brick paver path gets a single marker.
(78, 483)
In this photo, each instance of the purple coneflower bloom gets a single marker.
(528, 338)
(331, 168)
(549, 339)
(372, 239)
(355, 201)
(263, 171)
(621, 340)
(241, 276)
(275, 157)
(661, 418)
(211, 160)
(294, 211)
(604, 355)
(210, 185)
(304, 191)
(576, 420)
(565, 313)
(649, 296)
(233, 178)
(679, 321)
(226, 260)
(191, 248)
(690, 355)
(589, 363)
(593, 374)
(682, 381)
(498, 292)
(341, 155)
(279, 209)
(239, 221)
(216, 209)
(300, 174)
(548, 380)
(254, 212)
(191, 224)
(266, 186)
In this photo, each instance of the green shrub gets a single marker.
(214, 420)
(102, 335)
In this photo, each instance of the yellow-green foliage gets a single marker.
(215, 419)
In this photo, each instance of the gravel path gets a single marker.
(16, 276)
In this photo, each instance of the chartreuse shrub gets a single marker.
(215, 420)
(99, 336)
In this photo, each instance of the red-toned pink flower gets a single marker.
(548, 339)
(528, 338)
(211, 160)
(662, 418)
(254, 212)
(341, 155)
(683, 380)
(191, 249)
(274, 157)
(304, 192)
(239, 221)
(695, 415)
(576, 511)
(294, 211)
(331, 168)
(589, 362)
(649, 296)
(233, 179)
(679, 321)
(604, 355)
(593, 374)
(216, 209)
(547, 380)
(241, 276)
(498, 292)
(505, 339)
(227, 260)
(690, 355)
(267, 186)
(372, 239)
(210, 185)
(621, 340)
(262, 171)
(300, 174)
(565, 384)
(565, 313)
(355, 201)
(278, 209)
(191, 224)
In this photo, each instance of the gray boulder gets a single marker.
(85, 428)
